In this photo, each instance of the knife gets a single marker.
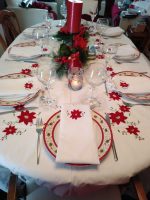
(113, 144)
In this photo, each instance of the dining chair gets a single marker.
(10, 25)
(16, 190)
(3, 45)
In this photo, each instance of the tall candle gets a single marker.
(74, 12)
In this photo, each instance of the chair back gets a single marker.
(147, 49)
(3, 45)
(10, 25)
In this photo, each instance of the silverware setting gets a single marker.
(108, 121)
(27, 61)
(113, 143)
(135, 104)
(124, 61)
(39, 129)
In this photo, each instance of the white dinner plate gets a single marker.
(101, 127)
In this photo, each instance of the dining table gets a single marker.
(128, 126)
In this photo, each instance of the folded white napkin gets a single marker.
(26, 51)
(77, 140)
(132, 84)
(127, 52)
(18, 88)
(28, 31)
(113, 31)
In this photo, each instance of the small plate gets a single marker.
(24, 44)
(19, 101)
(136, 97)
(102, 131)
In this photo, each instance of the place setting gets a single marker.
(18, 90)
(134, 87)
(27, 51)
(126, 53)
(64, 142)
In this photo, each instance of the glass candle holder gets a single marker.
(75, 78)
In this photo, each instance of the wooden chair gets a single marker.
(10, 25)
(14, 191)
(147, 49)
(3, 45)
(16, 188)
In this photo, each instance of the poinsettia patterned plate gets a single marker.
(102, 131)
(142, 97)
(20, 100)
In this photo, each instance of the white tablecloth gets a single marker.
(18, 151)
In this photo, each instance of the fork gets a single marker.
(39, 129)
(108, 121)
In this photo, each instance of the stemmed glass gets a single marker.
(95, 76)
(102, 24)
(48, 20)
(92, 14)
(47, 77)
(63, 10)
(40, 35)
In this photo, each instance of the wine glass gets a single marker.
(48, 20)
(102, 24)
(47, 77)
(63, 10)
(95, 76)
(40, 34)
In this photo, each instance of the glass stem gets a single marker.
(92, 92)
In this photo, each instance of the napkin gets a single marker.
(18, 88)
(126, 52)
(113, 31)
(28, 31)
(26, 51)
(77, 140)
(132, 84)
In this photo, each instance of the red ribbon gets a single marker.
(74, 12)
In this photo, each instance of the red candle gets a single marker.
(74, 12)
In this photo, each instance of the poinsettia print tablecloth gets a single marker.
(130, 127)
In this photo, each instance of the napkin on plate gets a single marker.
(132, 84)
(126, 52)
(17, 88)
(28, 32)
(26, 51)
(113, 31)
(77, 140)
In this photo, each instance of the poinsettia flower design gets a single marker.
(132, 130)
(112, 74)
(124, 84)
(97, 40)
(35, 65)
(75, 114)
(109, 69)
(124, 108)
(26, 117)
(114, 96)
(10, 130)
(45, 49)
(117, 117)
(28, 85)
(26, 71)
(19, 107)
(100, 56)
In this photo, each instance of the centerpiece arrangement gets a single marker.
(74, 36)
